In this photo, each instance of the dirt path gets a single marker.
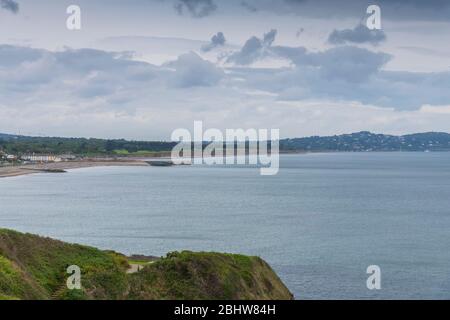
(134, 268)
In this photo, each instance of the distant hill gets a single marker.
(34, 268)
(4, 136)
(367, 141)
(355, 142)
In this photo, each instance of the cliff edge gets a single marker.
(34, 268)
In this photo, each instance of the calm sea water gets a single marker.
(320, 223)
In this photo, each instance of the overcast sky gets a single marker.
(139, 69)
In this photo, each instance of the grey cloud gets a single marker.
(426, 51)
(342, 73)
(75, 74)
(348, 73)
(344, 63)
(359, 35)
(12, 56)
(112, 81)
(391, 9)
(254, 49)
(196, 8)
(398, 91)
(76, 77)
(347, 62)
(248, 6)
(299, 32)
(193, 71)
(217, 40)
(250, 52)
(10, 5)
(269, 37)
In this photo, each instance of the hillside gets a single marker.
(367, 141)
(360, 141)
(79, 146)
(208, 276)
(33, 267)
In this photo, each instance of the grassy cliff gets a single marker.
(32, 267)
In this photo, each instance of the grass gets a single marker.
(33, 267)
(11, 284)
(139, 262)
(198, 276)
(141, 153)
(45, 261)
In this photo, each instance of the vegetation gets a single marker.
(366, 141)
(37, 266)
(79, 146)
(188, 275)
(33, 267)
(361, 141)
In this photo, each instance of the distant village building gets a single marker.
(41, 158)
(68, 157)
(4, 157)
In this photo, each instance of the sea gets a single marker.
(322, 222)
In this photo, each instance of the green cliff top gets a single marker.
(33, 267)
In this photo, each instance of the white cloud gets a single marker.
(193, 71)
(435, 109)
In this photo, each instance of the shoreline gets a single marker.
(60, 167)
(15, 171)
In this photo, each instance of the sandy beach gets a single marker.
(20, 170)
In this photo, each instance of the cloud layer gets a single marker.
(99, 93)
(430, 10)
(341, 80)
(344, 73)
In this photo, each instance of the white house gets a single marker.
(41, 158)
(11, 157)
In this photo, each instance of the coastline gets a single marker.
(15, 171)
(60, 167)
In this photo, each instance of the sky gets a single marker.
(139, 69)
